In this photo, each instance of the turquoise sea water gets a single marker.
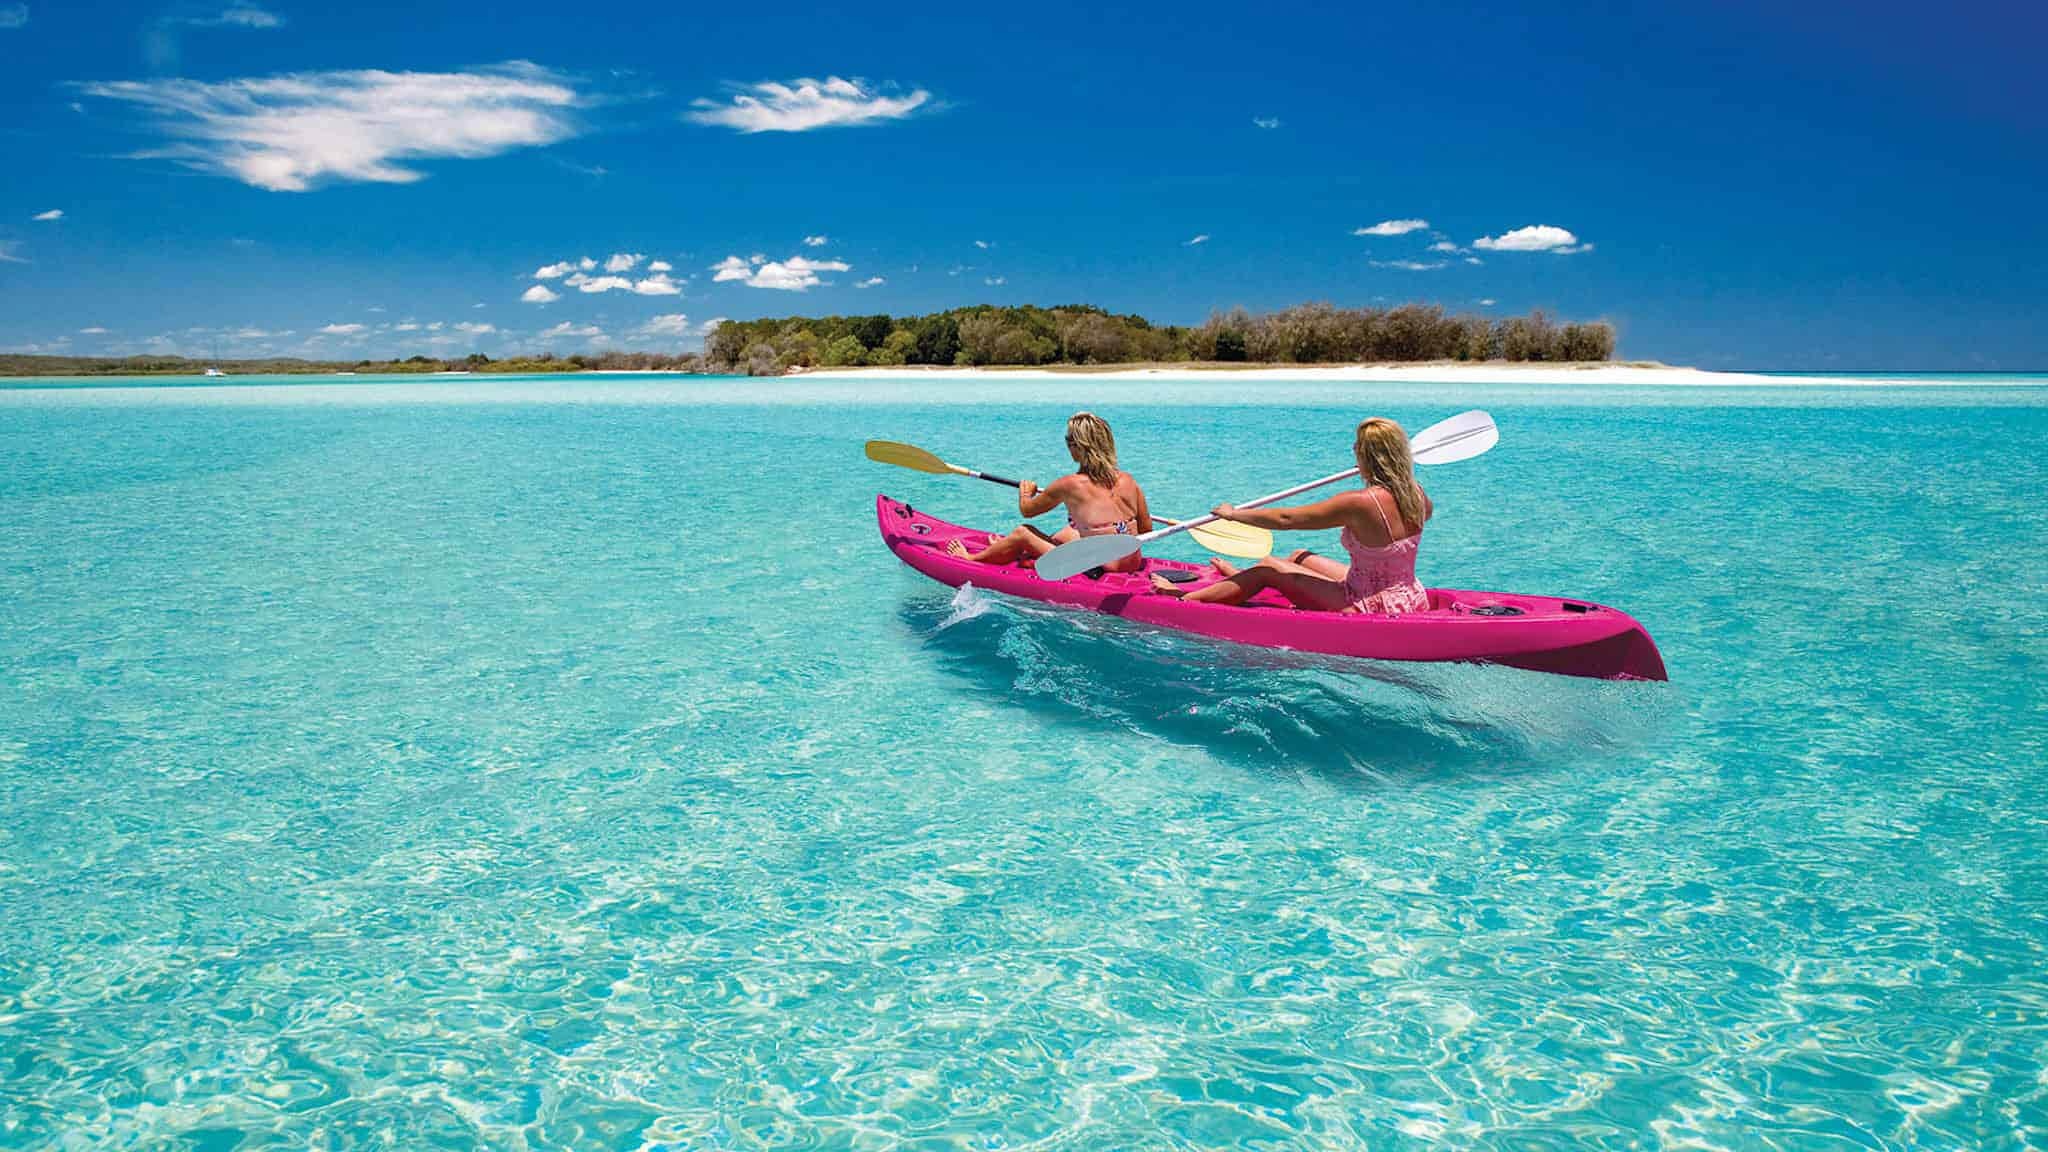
(562, 763)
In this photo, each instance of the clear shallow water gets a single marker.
(562, 763)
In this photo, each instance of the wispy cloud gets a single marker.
(1534, 238)
(566, 330)
(816, 241)
(1445, 246)
(52, 214)
(1408, 265)
(1267, 122)
(344, 329)
(1488, 302)
(1391, 228)
(161, 43)
(13, 16)
(95, 330)
(293, 132)
(792, 275)
(476, 329)
(238, 16)
(995, 281)
(10, 252)
(984, 244)
(540, 294)
(871, 282)
(802, 105)
(1200, 239)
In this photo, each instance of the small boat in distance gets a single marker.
(212, 371)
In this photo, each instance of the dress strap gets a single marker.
(1384, 522)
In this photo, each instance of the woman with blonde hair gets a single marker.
(1382, 525)
(1100, 499)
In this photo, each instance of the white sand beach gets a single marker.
(1635, 375)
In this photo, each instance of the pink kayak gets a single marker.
(1543, 633)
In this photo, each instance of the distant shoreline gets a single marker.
(1444, 372)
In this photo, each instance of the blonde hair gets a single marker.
(1093, 448)
(1383, 459)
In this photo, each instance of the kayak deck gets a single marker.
(1542, 633)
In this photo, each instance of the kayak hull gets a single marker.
(1541, 633)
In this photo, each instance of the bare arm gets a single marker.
(1332, 513)
(1035, 501)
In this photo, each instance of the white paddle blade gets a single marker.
(1077, 556)
(1461, 437)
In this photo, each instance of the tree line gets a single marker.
(1082, 334)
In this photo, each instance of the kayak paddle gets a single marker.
(1225, 536)
(1459, 438)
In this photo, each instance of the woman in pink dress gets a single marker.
(1382, 531)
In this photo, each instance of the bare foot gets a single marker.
(957, 550)
(1165, 587)
(1225, 567)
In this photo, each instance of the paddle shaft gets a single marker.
(1211, 518)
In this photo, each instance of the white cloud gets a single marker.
(1408, 265)
(871, 282)
(8, 248)
(476, 329)
(1488, 302)
(802, 105)
(816, 241)
(710, 326)
(566, 329)
(984, 244)
(1392, 228)
(792, 275)
(661, 266)
(437, 325)
(554, 271)
(995, 281)
(673, 324)
(406, 326)
(599, 283)
(540, 294)
(1474, 260)
(1534, 238)
(289, 133)
(52, 214)
(13, 15)
(622, 261)
(1203, 238)
(343, 330)
(1266, 122)
(95, 330)
(1445, 246)
(658, 284)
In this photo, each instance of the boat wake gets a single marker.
(1345, 719)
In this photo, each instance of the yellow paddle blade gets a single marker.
(1234, 539)
(905, 456)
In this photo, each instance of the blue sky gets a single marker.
(1734, 186)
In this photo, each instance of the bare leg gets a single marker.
(1304, 588)
(1320, 565)
(1023, 541)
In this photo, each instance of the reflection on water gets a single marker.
(1344, 719)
